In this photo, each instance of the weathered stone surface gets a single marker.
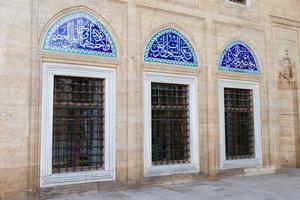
(276, 187)
(269, 26)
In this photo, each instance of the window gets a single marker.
(170, 128)
(239, 2)
(170, 131)
(239, 124)
(78, 125)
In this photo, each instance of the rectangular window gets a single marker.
(170, 124)
(171, 133)
(244, 2)
(239, 124)
(78, 124)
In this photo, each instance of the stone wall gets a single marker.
(269, 26)
(15, 73)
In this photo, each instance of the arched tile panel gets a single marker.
(169, 46)
(80, 33)
(239, 57)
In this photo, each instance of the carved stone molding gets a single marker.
(286, 77)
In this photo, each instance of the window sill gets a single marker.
(76, 178)
(244, 163)
(165, 170)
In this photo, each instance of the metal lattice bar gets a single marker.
(170, 124)
(78, 124)
(239, 124)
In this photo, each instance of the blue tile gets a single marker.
(80, 33)
(238, 57)
(168, 46)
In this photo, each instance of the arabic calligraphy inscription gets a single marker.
(80, 33)
(170, 47)
(239, 57)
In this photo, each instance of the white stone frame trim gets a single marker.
(248, 3)
(47, 179)
(193, 166)
(241, 163)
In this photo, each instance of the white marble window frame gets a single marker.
(164, 170)
(241, 163)
(47, 178)
(248, 3)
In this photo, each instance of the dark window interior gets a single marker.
(78, 124)
(244, 2)
(170, 124)
(239, 124)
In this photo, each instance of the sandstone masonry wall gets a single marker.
(271, 27)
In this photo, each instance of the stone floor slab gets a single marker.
(284, 185)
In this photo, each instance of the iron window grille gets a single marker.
(239, 124)
(170, 124)
(78, 124)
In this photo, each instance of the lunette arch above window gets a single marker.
(239, 57)
(80, 33)
(169, 46)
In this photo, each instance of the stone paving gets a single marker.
(284, 185)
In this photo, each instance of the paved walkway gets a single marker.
(281, 186)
